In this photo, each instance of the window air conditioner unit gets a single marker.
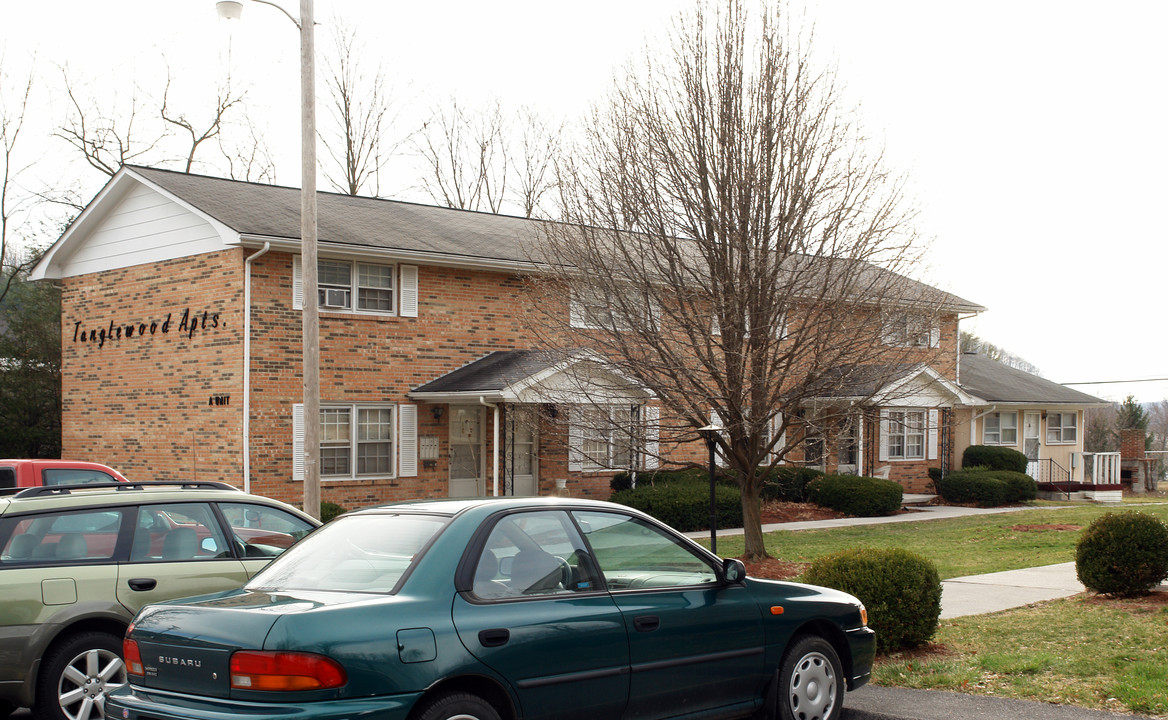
(336, 298)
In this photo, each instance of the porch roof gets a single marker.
(892, 384)
(530, 376)
(995, 382)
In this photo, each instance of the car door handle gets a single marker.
(496, 637)
(646, 623)
(142, 583)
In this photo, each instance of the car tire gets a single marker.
(811, 681)
(6, 709)
(76, 676)
(458, 706)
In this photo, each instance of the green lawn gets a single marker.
(1085, 651)
(960, 546)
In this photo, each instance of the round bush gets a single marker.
(330, 510)
(684, 506)
(994, 458)
(1123, 554)
(1019, 486)
(788, 483)
(856, 495)
(900, 589)
(973, 487)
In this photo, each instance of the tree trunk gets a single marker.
(752, 522)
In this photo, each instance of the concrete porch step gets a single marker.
(916, 499)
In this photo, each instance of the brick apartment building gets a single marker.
(181, 353)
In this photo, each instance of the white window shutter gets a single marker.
(575, 441)
(776, 426)
(883, 456)
(575, 310)
(652, 416)
(407, 433)
(297, 284)
(935, 336)
(934, 418)
(409, 291)
(298, 442)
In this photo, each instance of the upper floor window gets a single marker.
(360, 287)
(593, 309)
(1062, 428)
(904, 329)
(1000, 429)
(344, 285)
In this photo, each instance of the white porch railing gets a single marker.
(1101, 468)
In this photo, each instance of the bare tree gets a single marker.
(732, 245)
(106, 136)
(540, 144)
(225, 100)
(970, 342)
(247, 155)
(466, 156)
(364, 114)
(12, 204)
(109, 134)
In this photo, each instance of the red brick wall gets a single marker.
(142, 402)
(137, 381)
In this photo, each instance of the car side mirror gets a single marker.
(733, 571)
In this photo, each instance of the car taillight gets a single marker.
(131, 654)
(285, 671)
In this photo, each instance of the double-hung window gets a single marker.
(356, 441)
(603, 437)
(1000, 429)
(345, 285)
(904, 329)
(906, 434)
(1062, 428)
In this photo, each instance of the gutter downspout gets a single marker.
(247, 365)
(494, 447)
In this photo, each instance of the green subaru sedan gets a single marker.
(497, 608)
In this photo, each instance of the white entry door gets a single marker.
(522, 465)
(467, 471)
(1031, 441)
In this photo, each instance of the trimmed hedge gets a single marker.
(685, 506)
(994, 458)
(900, 589)
(788, 483)
(1123, 554)
(987, 488)
(624, 480)
(330, 510)
(856, 495)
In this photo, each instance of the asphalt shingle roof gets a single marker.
(993, 381)
(491, 373)
(274, 211)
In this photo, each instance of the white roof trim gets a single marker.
(50, 265)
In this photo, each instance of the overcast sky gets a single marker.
(1033, 131)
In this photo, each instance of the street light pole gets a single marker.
(710, 434)
(310, 321)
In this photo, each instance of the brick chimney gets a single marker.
(1131, 444)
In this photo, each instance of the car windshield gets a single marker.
(356, 553)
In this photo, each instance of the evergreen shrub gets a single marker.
(684, 506)
(1123, 554)
(901, 591)
(788, 483)
(856, 495)
(330, 510)
(986, 488)
(994, 458)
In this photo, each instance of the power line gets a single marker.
(1116, 382)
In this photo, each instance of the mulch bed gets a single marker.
(1039, 528)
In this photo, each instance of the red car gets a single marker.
(16, 474)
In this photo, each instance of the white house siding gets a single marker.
(144, 227)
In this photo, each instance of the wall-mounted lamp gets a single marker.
(551, 411)
(437, 411)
